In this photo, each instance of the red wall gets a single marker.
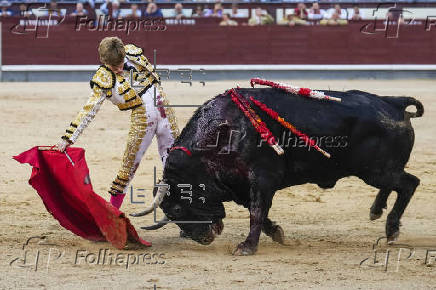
(211, 44)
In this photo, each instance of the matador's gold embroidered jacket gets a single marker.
(117, 88)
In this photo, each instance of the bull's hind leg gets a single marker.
(405, 188)
(405, 185)
(379, 204)
(274, 231)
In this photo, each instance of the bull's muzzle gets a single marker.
(214, 230)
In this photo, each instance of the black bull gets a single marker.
(368, 136)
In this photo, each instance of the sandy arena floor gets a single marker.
(328, 231)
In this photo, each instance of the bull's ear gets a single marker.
(179, 160)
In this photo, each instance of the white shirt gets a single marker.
(343, 14)
(319, 16)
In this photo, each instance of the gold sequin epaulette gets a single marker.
(135, 54)
(133, 50)
(103, 78)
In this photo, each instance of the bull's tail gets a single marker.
(403, 102)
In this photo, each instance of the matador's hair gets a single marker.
(111, 51)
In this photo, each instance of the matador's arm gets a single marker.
(102, 83)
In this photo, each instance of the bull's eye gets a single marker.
(177, 210)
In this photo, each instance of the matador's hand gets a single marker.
(61, 146)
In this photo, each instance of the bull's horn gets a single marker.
(156, 202)
(159, 224)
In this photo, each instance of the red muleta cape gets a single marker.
(67, 194)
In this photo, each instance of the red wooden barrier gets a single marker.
(211, 44)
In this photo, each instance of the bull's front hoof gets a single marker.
(278, 235)
(373, 216)
(243, 250)
(393, 238)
